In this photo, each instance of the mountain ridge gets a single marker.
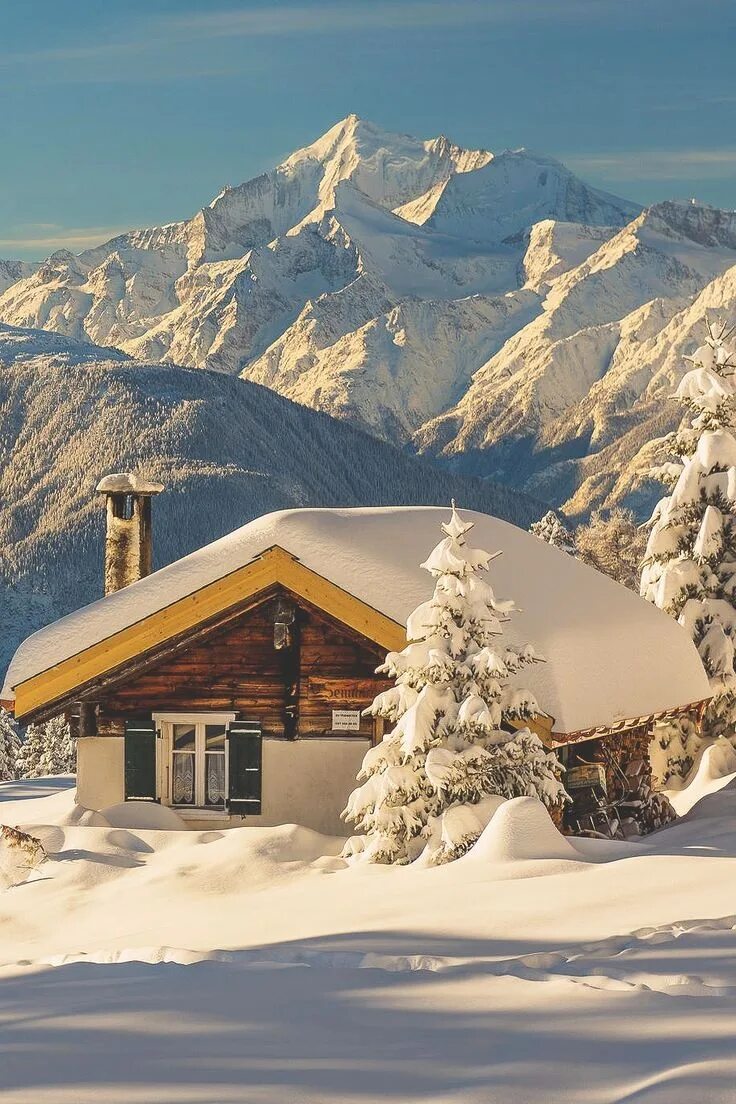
(545, 404)
(482, 309)
(122, 292)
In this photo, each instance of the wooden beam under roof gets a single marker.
(273, 567)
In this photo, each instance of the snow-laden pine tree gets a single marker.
(31, 753)
(552, 529)
(690, 565)
(48, 748)
(457, 734)
(9, 747)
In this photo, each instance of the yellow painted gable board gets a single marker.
(275, 566)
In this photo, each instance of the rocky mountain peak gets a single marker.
(698, 222)
(494, 308)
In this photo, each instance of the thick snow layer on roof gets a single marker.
(610, 655)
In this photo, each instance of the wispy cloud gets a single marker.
(389, 14)
(687, 164)
(696, 102)
(49, 236)
(150, 57)
(163, 36)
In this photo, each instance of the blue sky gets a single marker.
(137, 112)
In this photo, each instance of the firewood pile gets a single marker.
(623, 810)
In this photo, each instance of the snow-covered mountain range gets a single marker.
(575, 401)
(226, 450)
(13, 271)
(491, 311)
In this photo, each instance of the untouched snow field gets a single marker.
(139, 964)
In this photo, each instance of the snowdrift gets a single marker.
(521, 829)
(716, 769)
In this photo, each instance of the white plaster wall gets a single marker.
(308, 781)
(304, 781)
(100, 771)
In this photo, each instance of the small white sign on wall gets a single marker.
(346, 720)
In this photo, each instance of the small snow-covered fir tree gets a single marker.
(457, 734)
(690, 565)
(552, 529)
(9, 747)
(48, 748)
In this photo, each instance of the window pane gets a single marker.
(214, 737)
(184, 737)
(214, 789)
(182, 783)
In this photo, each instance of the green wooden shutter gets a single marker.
(245, 767)
(140, 760)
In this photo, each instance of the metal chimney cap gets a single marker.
(128, 483)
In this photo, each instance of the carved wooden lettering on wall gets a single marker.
(345, 691)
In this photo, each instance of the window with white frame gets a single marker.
(197, 768)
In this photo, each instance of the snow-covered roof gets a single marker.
(610, 655)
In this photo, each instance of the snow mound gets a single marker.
(717, 767)
(291, 843)
(714, 808)
(521, 829)
(217, 862)
(143, 815)
(87, 818)
(718, 762)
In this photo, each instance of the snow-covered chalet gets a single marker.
(231, 684)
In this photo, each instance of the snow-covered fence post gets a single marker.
(457, 743)
(690, 565)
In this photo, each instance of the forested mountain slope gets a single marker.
(227, 450)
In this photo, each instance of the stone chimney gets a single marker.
(128, 541)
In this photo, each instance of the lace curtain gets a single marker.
(182, 790)
(214, 786)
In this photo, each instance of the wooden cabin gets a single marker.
(231, 684)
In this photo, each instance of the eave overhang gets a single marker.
(54, 688)
(561, 739)
(274, 567)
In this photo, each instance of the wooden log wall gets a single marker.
(236, 667)
(337, 672)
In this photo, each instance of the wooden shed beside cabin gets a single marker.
(231, 684)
